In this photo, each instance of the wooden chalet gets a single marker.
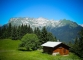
(55, 48)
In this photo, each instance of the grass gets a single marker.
(9, 51)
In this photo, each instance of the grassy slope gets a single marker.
(9, 51)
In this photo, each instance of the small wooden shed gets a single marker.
(55, 48)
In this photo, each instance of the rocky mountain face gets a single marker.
(65, 30)
(81, 25)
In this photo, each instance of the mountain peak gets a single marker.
(68, 22)
(41, 18)
(41, 22)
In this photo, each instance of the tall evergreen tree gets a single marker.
(50, 37)
(0, 32)
(19, 32)
(30, 30)
(14, 33)
(37, 32)
(43, 35)
(9, 30)
(4, 32)
(78, 45)
(25, 29)
(81, 43)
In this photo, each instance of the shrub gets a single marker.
(30, 42)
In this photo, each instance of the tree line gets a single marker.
(17, 32)
(14, 32)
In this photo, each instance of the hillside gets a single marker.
(66, 33)
(9, 51)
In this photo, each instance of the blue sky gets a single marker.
(50, 9)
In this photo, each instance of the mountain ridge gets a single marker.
(40, 22)
(65, 30)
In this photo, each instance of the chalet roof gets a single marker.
(51, 44)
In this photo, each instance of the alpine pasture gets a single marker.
(9, 51)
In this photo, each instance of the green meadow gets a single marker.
(9, 51)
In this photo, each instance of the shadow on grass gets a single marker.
(24, 49)
(47, 53)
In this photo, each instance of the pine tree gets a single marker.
(30, 30)
(19, 32)
(25, 29)
(4, 32)
(81, 44)
(14, 33)
(9, 30)
(37, 32)
(50, 37)
(0, 32)
(43, 35)
(78, 45)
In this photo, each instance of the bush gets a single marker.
(30, 42)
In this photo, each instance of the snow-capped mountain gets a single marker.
(40, 22)
(64, 30)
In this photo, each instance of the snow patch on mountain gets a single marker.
(81, 25)
(38, 22)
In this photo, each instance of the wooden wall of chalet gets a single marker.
(62, 49)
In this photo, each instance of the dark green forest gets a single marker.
(77, 46)
(18, 33)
